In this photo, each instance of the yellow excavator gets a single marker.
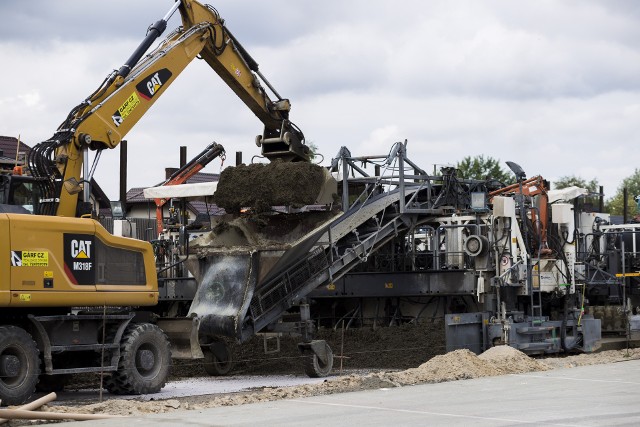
(75, 298)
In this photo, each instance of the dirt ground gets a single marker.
(390, 357)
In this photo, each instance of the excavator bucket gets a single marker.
(225, 289)
(262, 186)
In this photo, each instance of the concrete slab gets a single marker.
(595, 395)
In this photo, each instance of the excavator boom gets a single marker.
(107, 115)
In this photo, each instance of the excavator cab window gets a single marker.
(18, 194)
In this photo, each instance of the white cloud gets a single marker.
(551, 85)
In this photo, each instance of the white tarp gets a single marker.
(566, 194)
(200, 189)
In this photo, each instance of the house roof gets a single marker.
(8, 146)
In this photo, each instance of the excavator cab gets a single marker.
(19, 194)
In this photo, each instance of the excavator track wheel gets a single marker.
(19, 365)
(314, 367)
(145, 361)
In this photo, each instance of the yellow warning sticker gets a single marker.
(388, 285)
(129, 105)
(35, 259)
(48, 274)
(25, 297)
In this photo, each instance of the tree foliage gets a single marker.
(479, 167)
(573, 180)
(313, 150)
(615, 205)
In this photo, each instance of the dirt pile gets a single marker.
(508, 360)
(121, 407)
(260, 186)
(456, 365)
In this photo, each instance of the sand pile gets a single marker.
(121, 407)
(508, 360)
(260, 186)
(456, 365)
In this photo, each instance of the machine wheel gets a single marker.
(313, 366)
(19, 365)
(145, 360)
(218, 361)
(49, 383)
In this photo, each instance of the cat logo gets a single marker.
(149, 86)
(81, 249)
(154, 84)
(81, 252)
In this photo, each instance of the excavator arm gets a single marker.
(106, 116)
(281, 139)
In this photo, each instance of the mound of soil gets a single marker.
(260, 186)
(509, 360)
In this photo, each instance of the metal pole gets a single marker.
(86, 187)
(601, 201)
(123, 174)
(345, 184)
(401, 153)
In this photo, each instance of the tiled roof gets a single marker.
(8, 145)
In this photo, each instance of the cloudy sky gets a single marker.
(551, 85)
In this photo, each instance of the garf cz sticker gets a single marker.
(125, 109)
(30, 258)
(79, 258)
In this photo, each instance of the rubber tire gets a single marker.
(130, 378)
(18, 342)
(314, 368)
(215, 367)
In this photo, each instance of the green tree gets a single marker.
(313, 150)
(592, 201)
(572, 180)
(479, 167)
(615, 205)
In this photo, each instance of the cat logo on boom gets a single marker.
(149, 86)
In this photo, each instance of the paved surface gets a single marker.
(596, 395)
(192, 387)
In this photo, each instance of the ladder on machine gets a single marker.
(535, 293)
(537, 332)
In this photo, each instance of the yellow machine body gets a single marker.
(57, 261)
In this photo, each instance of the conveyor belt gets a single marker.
(318, 258)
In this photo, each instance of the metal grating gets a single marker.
(285, 285)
